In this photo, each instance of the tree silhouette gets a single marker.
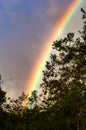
(64, 81)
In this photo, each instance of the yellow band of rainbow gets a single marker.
(38, 68)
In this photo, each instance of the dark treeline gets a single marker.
(61, 103)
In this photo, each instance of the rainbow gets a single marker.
(37, 70)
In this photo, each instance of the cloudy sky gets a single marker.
(25, 26)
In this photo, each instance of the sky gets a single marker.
(25, 27)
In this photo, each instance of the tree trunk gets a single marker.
(77, 124)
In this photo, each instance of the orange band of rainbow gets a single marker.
(37, 70)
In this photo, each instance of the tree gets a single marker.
(2, 94)
(64, 81)
(16, 105)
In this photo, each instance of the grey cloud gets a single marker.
(22, 42)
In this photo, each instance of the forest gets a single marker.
(61, 103)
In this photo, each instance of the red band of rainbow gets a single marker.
(37, 70)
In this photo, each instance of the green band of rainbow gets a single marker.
(37, 70)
